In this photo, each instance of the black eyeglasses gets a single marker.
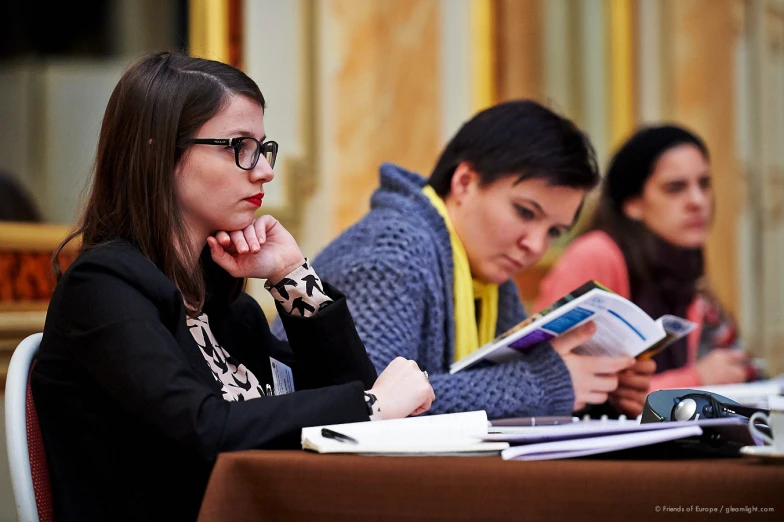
(247, 150)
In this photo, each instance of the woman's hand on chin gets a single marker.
(264, 250)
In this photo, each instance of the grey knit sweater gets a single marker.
(395, 268)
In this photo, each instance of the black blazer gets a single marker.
(131, 415)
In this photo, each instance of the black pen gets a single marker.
(340, 437)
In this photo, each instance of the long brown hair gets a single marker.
(663, 278)
(157, 107)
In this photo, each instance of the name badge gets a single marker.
(282, 377)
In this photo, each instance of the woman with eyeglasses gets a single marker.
(153, 360)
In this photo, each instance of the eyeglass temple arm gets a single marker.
(210, 141)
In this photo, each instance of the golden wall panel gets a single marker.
(386, 95)
(703, 40)
(519, 41)
(622, 72)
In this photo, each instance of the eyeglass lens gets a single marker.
(270, 150)
(249, 150)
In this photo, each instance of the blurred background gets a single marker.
(351, 84)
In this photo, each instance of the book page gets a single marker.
(622, 328)
(531, 332)
(674, 328)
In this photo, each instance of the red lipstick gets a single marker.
(255, 199)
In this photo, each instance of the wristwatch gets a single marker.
(370, 400)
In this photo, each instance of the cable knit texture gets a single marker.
(395, 268)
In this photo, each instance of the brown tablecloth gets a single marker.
(296, 485)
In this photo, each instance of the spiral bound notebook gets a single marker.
(571, 448)
(592, 437)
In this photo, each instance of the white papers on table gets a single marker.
(453, 433)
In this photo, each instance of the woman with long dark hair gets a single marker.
(153, 360)
(647, 242)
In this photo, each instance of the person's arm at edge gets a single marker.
(684, 377)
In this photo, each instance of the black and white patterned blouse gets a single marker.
(299, 293)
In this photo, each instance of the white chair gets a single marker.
(27, 461)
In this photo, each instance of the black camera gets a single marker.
(685, 404)
(722, 439)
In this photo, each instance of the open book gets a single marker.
(453, 433)
(622, 328)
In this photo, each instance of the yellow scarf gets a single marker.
(468, 335)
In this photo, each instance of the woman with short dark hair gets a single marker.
(428, 271)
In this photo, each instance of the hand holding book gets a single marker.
(633, 386)
(633, 379)
(622, 329)
(624, 381)
(592, 321)
(572, 339)
(593, 377)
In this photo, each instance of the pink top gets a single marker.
(596, 257)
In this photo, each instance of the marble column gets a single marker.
(381, 71)
(704, 37)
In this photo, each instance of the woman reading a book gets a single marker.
(646, 243)
(428, 271)
(153, 359)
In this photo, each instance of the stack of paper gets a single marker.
(455, 433)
